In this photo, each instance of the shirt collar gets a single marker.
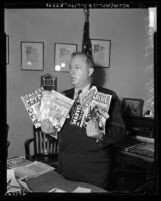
(84, 90)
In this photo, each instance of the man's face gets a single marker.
(79, 71)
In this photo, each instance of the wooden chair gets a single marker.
(45, 148)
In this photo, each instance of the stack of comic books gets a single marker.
(47, 105)
(96, 107)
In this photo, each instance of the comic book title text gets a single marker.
(32, 98)
(100, 98)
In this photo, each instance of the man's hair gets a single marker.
(89, 59)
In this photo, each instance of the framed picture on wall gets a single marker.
(101, 50)
(63, 53)
(7, 49)
(32, 56)
(132, 106)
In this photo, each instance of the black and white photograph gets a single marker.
(132, 106)
(81, 113)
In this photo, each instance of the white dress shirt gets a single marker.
(84, 90)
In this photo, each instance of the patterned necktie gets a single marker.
(77, 97)
(76, 101)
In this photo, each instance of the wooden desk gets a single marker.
(53, 179)
(134, 170)
(137, 169)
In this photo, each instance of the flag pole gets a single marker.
(86, 12)
(86, 42)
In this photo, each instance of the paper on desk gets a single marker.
(24, 185)
(57, 190)
(81, 190)
(77, 190)
(11, 177)
(11, 181)
(10, 174)
(32, 170)
(145, 139)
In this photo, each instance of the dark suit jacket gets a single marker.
(81, 158)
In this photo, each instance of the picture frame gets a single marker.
(132, 106)
(63, 53)
(7, 49)
(32, 56)
(101, 51)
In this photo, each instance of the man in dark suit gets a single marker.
(83, 150)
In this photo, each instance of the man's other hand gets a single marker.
(92, 130)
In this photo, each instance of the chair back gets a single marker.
(44, 144)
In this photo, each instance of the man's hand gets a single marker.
(47, 127)
(92, 131)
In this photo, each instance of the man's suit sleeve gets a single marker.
(115, 127)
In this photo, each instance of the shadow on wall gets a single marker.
(99, 76)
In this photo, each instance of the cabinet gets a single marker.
(142, 126)
(134, 172)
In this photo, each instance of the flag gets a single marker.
(86, 43)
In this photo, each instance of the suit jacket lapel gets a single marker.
(70, 93)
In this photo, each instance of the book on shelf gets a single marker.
(95, 106)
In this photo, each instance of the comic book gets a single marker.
(55, 107)
(32, 104)
(87, 98)
(96, 106)
(78, 111)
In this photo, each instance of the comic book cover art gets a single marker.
(96, 106)
(98, 115)
(55, 107)
(77, 115)
(80, 106)
(87, 98)
(32, 104)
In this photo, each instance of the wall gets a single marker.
(126, 75)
